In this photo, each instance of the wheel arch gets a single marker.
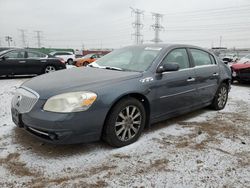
(140, 97)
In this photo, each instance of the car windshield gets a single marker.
(3, 52)
(137, 58)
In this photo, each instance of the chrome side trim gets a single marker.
(165, 96)
(206, 86)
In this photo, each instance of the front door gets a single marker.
(176, 91)
(16, 62)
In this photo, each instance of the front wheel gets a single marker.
(220, 98)
(124, 123)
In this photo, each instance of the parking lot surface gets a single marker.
(203, 148)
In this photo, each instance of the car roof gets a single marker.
(169, 45)
(61, 52)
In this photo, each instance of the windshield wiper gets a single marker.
(113, 68)
(106, 67)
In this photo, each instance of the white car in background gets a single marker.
(244, 59)
(68, 57)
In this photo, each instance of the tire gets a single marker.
(124, 123)
(49, 69)
(220, 98)
(70, 61)
(85, 63)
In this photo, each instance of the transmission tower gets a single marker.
(137, 25)
(8, 39)
(23, 37)
(157, 26)
(38, 36)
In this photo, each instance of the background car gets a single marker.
(25, 62)
(241, 71)
(244, 59)
(118, 95)
(87, 59)
(68, 57)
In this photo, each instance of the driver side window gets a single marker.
(178, 56)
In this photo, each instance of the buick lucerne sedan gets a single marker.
(27, 62)
(120, 94)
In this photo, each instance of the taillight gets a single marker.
(62, 60)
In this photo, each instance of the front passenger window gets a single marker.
(179, 56)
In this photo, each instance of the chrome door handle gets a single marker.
(215, 74)
(190, 79)
(22, 61)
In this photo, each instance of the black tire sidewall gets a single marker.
(215, 104)
(109, 128)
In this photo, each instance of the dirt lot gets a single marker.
(201, 149)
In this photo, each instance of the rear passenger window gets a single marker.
(201, 57)
(177, 56)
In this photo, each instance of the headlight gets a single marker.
(70, 102)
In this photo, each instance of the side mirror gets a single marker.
(91, 57)
(169, 67)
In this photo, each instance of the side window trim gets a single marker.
(193, 62)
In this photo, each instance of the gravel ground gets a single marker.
(201, 149)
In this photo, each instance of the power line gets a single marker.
(38, 36)
(137, 25)
(157, 26)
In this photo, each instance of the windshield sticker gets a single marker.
(153, 48)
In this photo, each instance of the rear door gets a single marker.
(207, 72)
(35, 62)
(176, 90)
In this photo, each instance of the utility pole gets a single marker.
(38, 36)
(23, 37)
(157, 27)
(137, 25)
(220, 41)
(8, 39)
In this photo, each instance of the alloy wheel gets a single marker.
(222, 97)
(49, 69)
(128, 123)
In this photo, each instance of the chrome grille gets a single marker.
(24, 100)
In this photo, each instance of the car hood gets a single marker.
(238, 66)
(84, 78)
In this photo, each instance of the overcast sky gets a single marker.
(108, 23)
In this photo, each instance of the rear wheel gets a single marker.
(49, 69)
(220, 98)
(124, 123)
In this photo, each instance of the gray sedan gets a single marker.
(120, 94)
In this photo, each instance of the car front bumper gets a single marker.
(61, 128)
